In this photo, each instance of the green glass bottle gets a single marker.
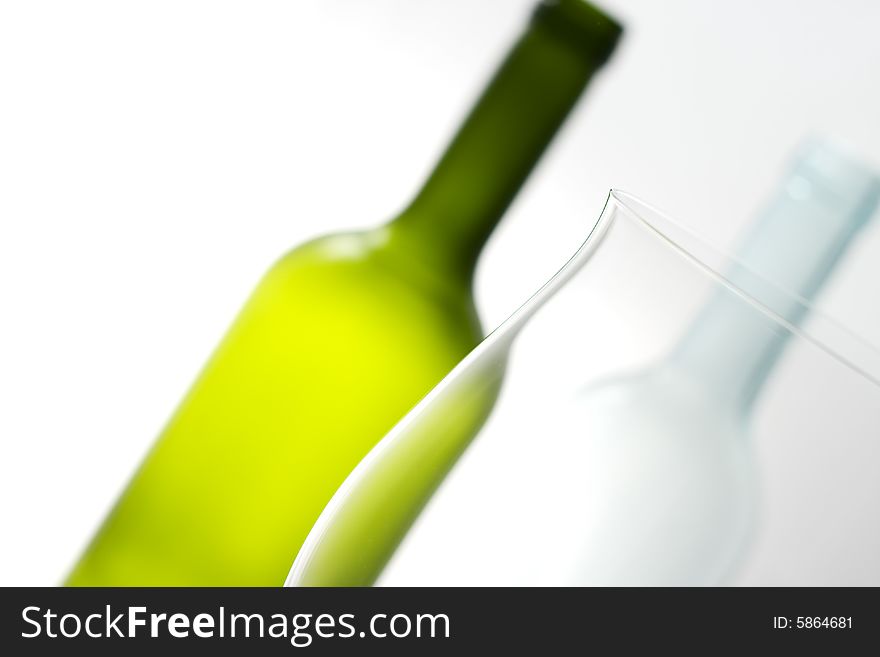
(342, 336)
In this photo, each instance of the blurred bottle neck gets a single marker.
(788, 255)
(505, 134)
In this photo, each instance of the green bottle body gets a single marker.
(336, 343)
(339, 340)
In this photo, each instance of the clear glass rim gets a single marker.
(823, 331)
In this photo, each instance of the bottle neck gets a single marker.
(732, 347)
(506, 132)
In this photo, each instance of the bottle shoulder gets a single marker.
(372, 266)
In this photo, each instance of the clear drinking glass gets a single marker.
(667, 414)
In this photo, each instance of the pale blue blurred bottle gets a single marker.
(671, 480)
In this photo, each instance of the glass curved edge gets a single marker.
(822, 330)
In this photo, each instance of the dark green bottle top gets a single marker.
(506, 132)
(583, 25)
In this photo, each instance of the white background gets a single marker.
(156, 157)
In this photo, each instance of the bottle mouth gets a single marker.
(753, 288)
(582, 25)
